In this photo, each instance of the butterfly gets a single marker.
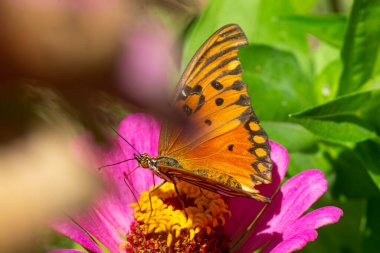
(226, 151)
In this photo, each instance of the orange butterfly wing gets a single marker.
(226, 145)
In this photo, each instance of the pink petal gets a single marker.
(111, 215)
(294, 243)
(303, 231)
(244, 210)
(315, 219)
(76, 234)
(294, 198)
(142, 131)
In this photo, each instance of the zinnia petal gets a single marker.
(244, 210)
(111, 215)
(294, 243)
(302, 231)
(142, 131)
(76, 234)
(294, 198)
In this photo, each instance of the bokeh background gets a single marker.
(68, 67)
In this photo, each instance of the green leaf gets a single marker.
(341, 120)
(327, 82)
(276, 81)
(328, 28)
(338, 130)
(368, 153)
(372, 230)
(304, 151)
(344, 236)
(303, 6)
(292, 136)
(56, 241)
(352, 104)
(352, 175)
(322, 55)
(313, 159)
(361, 45)
(259, 21)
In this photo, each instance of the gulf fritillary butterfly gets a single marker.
(227, 151)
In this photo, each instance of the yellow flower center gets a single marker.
(166, 222)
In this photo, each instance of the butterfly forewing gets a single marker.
(225, 144)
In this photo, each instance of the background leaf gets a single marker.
(344, 130)
(368, 153)
(258, 19)
(291, 135)
(276, 81)
(341, 120)
(328, 28)
(372, 230)
(361, 45)
(348, 229)
(352, 177)
(327, 82)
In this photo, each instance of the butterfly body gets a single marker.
(226, 150)
(172, 171)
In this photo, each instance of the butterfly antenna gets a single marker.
(125, 181)
(126, 141)
(113, 164)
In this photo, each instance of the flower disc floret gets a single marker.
(163, 220)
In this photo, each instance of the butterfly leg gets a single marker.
(150, 196)
(129, 187)
(200, 189)
(154, 179)
(181, 200)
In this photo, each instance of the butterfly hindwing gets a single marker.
(226, 144)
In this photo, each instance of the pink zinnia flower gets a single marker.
(278, 227)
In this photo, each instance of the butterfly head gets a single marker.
(145, 160)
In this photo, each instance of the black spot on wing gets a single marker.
(184, 93)
(208, 122)
(238, 85)
(197, 89)
(201, 101)
(243, 100)
(188, 91)
(216, 85)
(231, 147)
(219, 101)
(246, 115)
(187, 110)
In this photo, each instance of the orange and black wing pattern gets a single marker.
(226, 143)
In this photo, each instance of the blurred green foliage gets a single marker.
(314, 79)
